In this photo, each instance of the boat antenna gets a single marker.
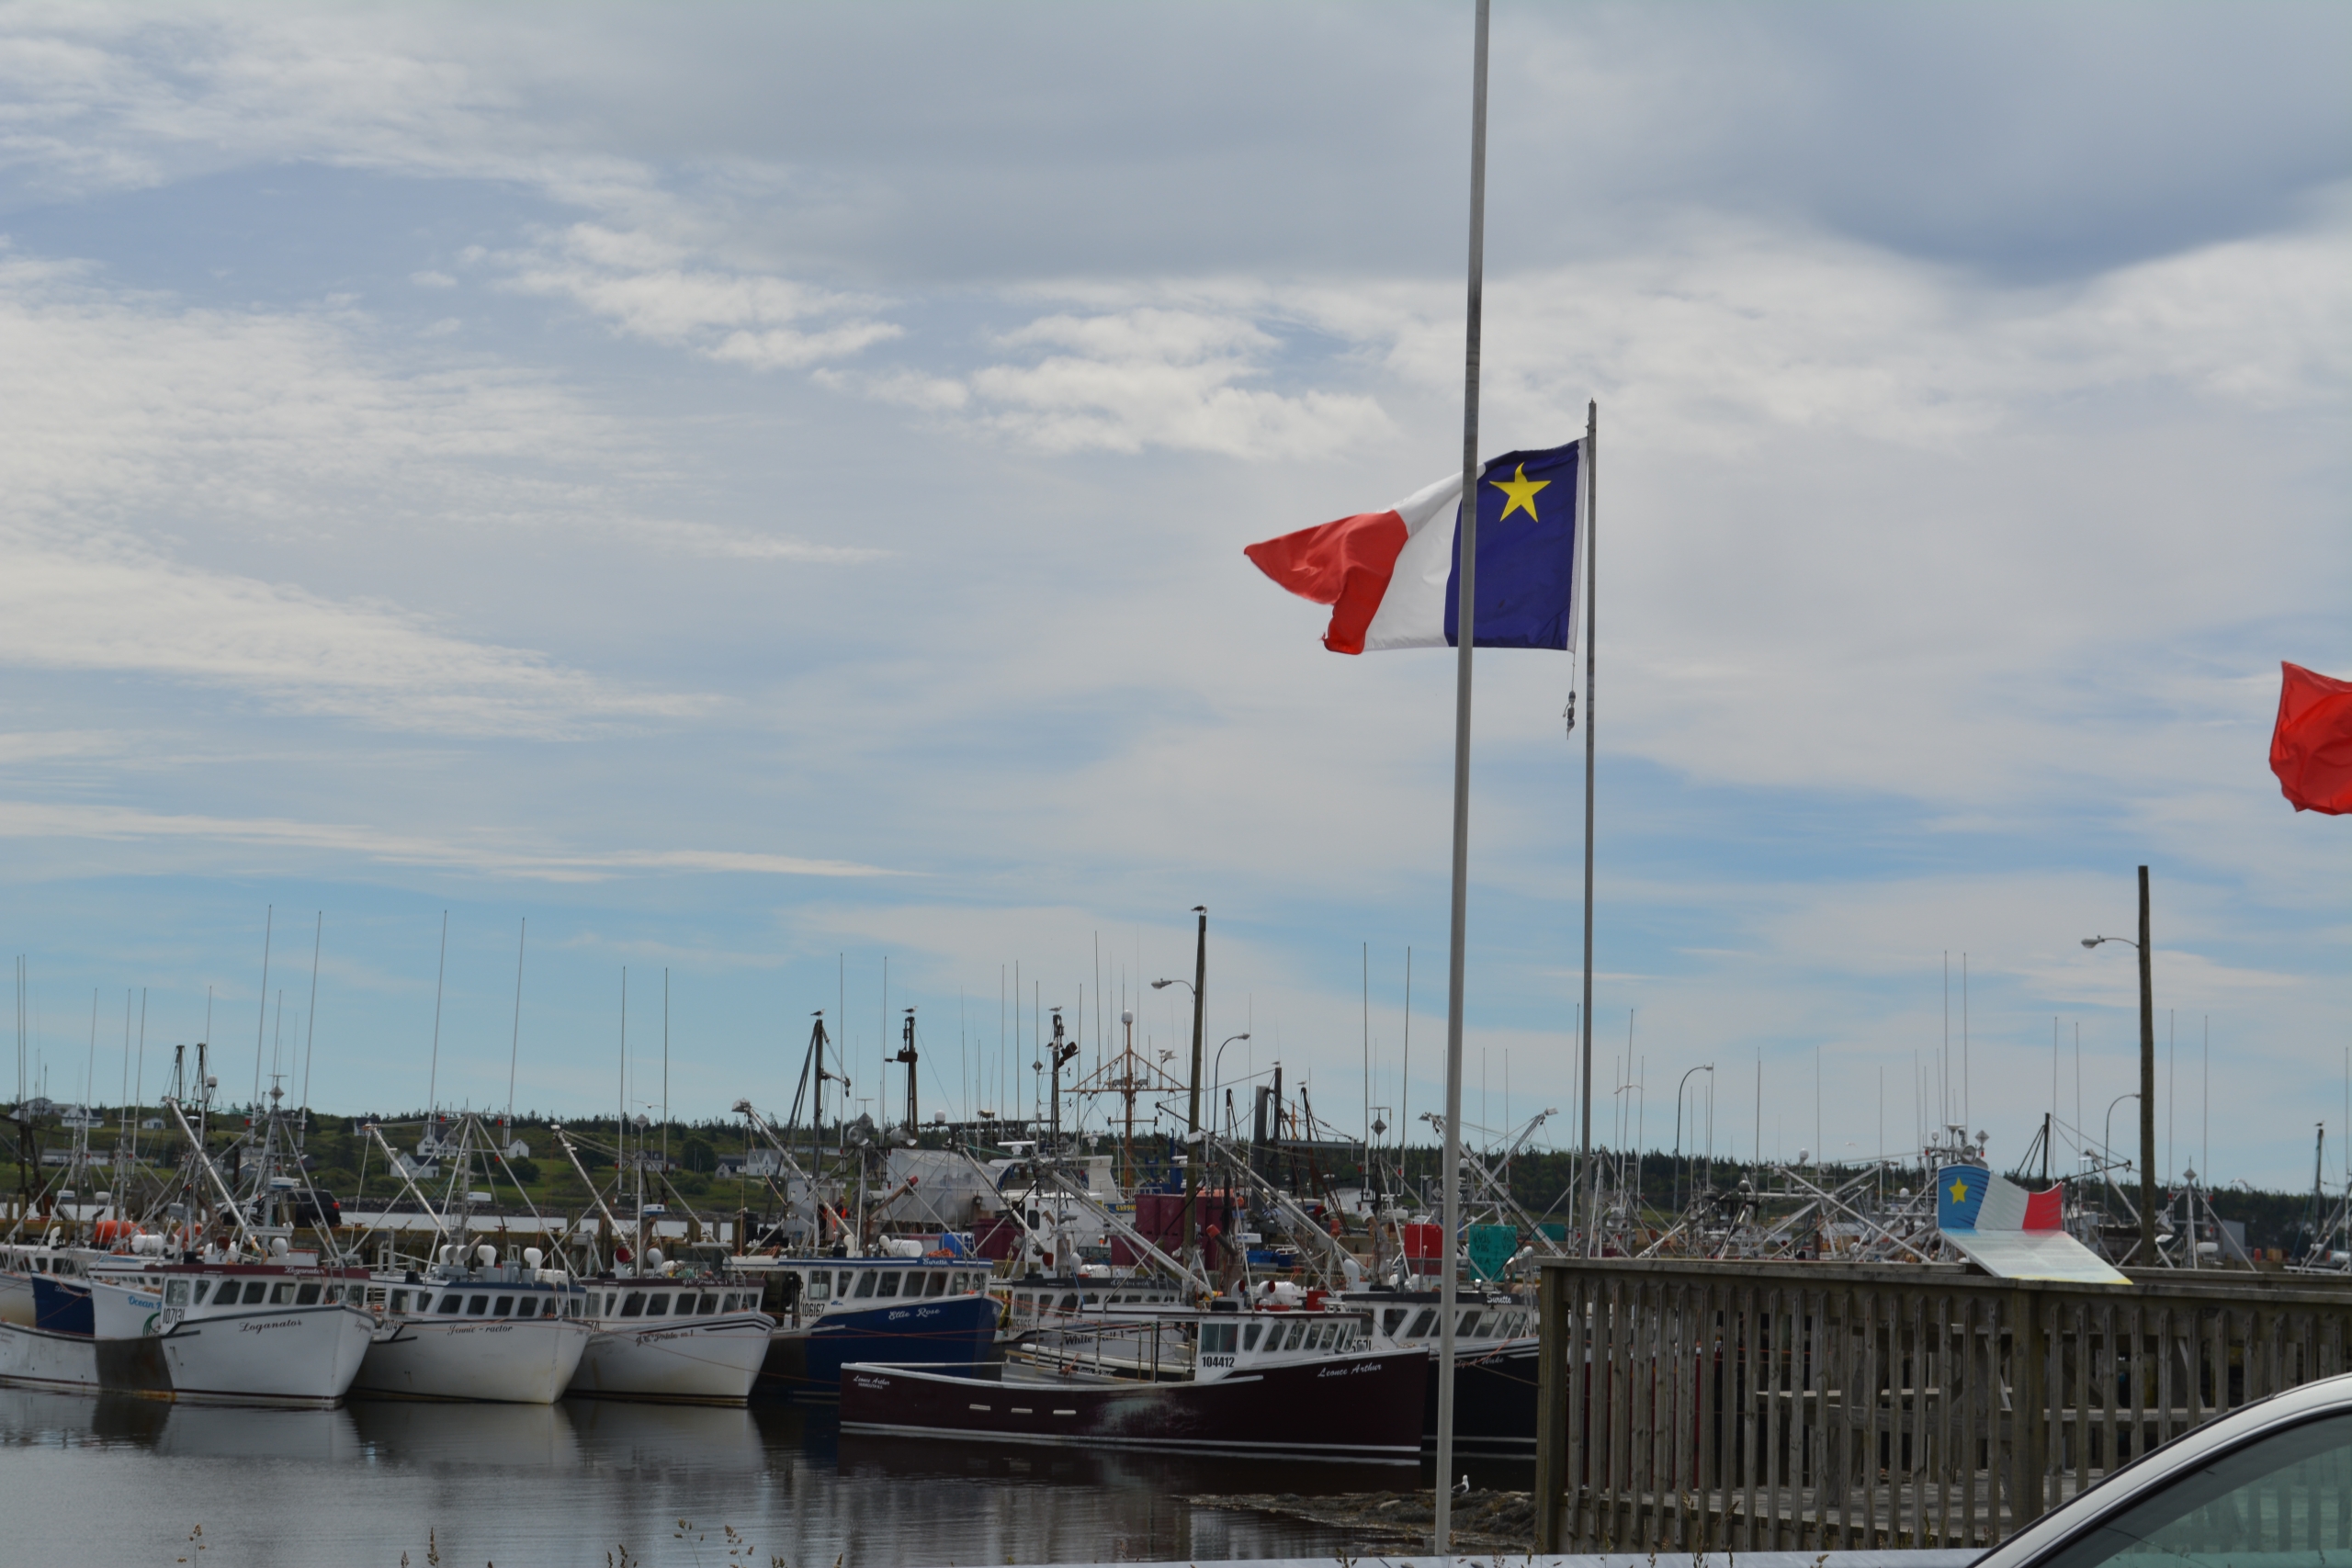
(433, 1073)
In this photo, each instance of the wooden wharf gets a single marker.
(1701, 1406)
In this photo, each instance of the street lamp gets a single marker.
(1216, 1074)
(1708, 1069)
(2148, 1248)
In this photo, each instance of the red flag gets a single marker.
(2312, 748)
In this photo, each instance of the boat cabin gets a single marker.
(1409, 1318)
(796, 1289)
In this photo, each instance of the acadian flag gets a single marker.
(2012, 1234)
(1391, 577)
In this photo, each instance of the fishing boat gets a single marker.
(697, 1338)
(830, 1311)
(1301, 1384)
(1496, 1359)
(510, 1332)
(473, 1324)
(231, 1327)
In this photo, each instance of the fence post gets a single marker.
(1551, 1410)
(2030, 1416)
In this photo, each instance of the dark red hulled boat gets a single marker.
(1322, 1394)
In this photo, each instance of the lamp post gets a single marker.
(2148, 1248)
(1198, 983)
(1216, 1072)
(1707, 1067)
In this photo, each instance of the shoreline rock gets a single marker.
(1483, 1521)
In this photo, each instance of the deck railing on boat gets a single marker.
(1823, 1407)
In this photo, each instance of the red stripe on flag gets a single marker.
(2045, 1210)
(2311, 749)
(1345, 564)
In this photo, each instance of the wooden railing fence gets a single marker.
(1803, 1406)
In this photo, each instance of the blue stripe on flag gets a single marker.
(1526, 560)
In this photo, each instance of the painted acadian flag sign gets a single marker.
(2012, 1234)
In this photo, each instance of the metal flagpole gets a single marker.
(1592, 520)
(1467, 575)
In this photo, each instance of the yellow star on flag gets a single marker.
(1959, 1191)
(1521, 492)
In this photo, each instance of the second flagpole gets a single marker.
(1466, 600)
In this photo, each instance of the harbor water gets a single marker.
(128, 1482)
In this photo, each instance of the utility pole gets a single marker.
(1192, 1114)
(2147, 1089)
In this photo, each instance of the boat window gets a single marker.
(175, 1293)
(1069, 1301)
(399, 1301)
(1470, 1324)
(201, 1286)
(478, 1307)
(657, 1306)
(1216, 1339)
(306, 1296)
(632, 1304)
(254, 1290)
(451, 1303)
(936, 1282)
(281, 1292)
(1394, 1319)
(686, 1307)
(1249, 1335)
(1290, 1341)
(865, 1284)
(820, 1285)
(505, 1307)
(1422, 1325)
(890, 1285)
(1329, 1337)
(572, 1309)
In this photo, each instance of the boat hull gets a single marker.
(1494, 1400)
(1364, 1406)
(709, 1361)
(36, 1357)
(805, 1364)
(502, 1361)
(304, 1356)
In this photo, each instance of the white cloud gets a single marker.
(1140, 379)
(126, 609)
(146, 434)
(30, 819)
(649, 287)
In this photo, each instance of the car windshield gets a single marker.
(2283, 1501)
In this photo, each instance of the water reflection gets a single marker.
(572, 1483)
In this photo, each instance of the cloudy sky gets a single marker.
(759, 492)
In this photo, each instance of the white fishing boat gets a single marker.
(473, 1324)
(690, 1334)
(506, 1333)
(698, 1340)
(286, 1331)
